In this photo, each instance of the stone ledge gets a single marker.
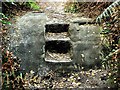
(82, 21)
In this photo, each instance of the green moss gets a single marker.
(33, 5)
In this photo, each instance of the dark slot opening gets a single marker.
(82, 23)
(58, 46)
(56, 28)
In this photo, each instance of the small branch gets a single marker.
(111, 54)
(6, 5)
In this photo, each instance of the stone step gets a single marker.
(58, 51)
(57, 47)
(56, 31)
(57, 61)
(53, 39)
(82, 20)
(57, 36)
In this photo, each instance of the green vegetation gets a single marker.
(110, 43)
(4, 19)
(71, 7)
(32, 5)
(13, 8)
(108, 11)
(11, 75)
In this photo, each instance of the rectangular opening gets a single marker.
(57, 32)
(58, 51)
(56, 28)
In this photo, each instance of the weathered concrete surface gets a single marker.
(27, 41)
(86, 44)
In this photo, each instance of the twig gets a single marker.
(5, 5)
(111, 54)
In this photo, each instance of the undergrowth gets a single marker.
(111, 47)
(12, 76)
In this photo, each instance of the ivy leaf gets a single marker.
(119, 41)
(5, 22)
(106, 31)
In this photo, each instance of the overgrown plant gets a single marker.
(71, 7)
(31, 4)
(11, 71)
(11, 75)
(4, 19)
(111, 46)
(88, 9)
(108, 11)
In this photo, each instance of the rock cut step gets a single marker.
(56, 32)
(58, 46)
(57, 36)
(82, 21)
(57, 57)
(58, 51)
